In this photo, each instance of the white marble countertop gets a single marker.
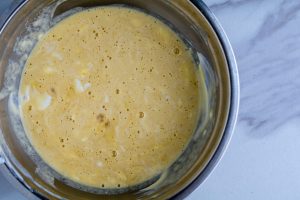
(262, 161)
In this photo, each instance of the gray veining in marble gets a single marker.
(262, 161)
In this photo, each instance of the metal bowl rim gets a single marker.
(234, 100)
(232, 116)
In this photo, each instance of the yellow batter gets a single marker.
(109, 97)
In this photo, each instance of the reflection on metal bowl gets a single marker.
(211, 49)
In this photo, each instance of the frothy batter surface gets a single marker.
(109, 97)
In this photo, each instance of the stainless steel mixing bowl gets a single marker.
(220, 89)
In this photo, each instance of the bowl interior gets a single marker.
(35, 17)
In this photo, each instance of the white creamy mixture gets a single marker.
(110, 97)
